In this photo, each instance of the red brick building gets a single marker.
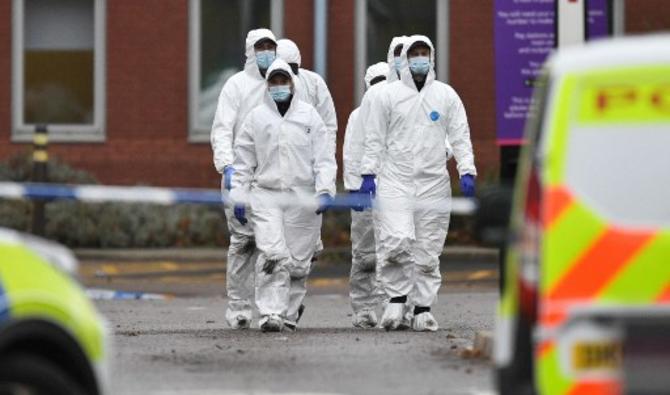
(149, 68)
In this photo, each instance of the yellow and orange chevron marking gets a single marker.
(600, 263)
(606, 255)
(664, 296)
(558, 201)
(596, 388)
(587, 261)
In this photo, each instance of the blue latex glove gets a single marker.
(240, 213)
(228, 172)
(368, 186)
(325, 202)
(367, 192)
(468, 185)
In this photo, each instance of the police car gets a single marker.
(585, 307)
(52, 340)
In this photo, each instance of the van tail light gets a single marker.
(530, 248)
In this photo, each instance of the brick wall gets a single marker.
(299, 27)
(472, 74)
(341, 64)
(147, 93)
(643, 16)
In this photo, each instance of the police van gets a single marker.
(585, 307)
(52, 340)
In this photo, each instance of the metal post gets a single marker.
(571, 20)
(618, 21)
(277, 17)
(321, 38)
(40, 160)
(442, 40)
(360, 45)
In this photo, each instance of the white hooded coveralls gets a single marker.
(312, 89)
(241, 93)
(364, 292)
(407, 137)
(277, 155)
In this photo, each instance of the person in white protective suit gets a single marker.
(281, 160)
(393, 57)
(241, 93)
(364, 292)
(407, 134)
(394, 64)
(312, 89)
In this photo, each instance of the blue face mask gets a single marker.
(280, 93)
(397, 62)
(264, 59)
(419, 65)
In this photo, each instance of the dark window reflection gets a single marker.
(224, 25)
(59, 78)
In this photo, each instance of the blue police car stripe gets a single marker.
(4, 307)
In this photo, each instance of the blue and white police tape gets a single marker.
(108, 294)
(167, 196)
(100, 193)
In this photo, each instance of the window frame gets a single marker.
(197, 133)
(441, 41)
(60, 133)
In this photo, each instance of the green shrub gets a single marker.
(15, 214)
(109, 225)
(20, 168)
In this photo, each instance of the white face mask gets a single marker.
(264, 59)
(419, 65)
(280, 93)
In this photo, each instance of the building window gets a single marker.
(58, 73)
(387, 19)
(218, 32)
(378, 21)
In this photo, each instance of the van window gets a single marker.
(619, 164)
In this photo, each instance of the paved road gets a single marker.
(198, 278)
(182, 346)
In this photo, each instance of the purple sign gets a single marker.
(598, 15)
(524, 36)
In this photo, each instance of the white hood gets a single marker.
(374, 71)
(405, 74)
(392, 76)
(252, 38)
(288, 51)
(279, 64)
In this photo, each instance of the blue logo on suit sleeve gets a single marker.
(434, 116)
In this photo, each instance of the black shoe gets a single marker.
(301, 310)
